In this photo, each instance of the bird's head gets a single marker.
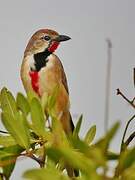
(44, 39)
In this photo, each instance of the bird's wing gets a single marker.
(64, 79)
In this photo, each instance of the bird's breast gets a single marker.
(49, 77)
(41, 81)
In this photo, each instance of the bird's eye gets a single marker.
(47, 38)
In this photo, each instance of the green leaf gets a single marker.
(11, 151)
(7, 141)
(22, 104)
(31, 95)
(38, 118)
(105, 141)
(17, 128)
(129, 174)
(53, 154)
(7, 170)
(8, 103)
(126, 160)
(73, 157)
(44, 100)
(112, 156)
(59, 136)
(8, 157)
(13, 120)
(78, 126)
(90, 135)
(129, 158)
(42, 174)
(92, 152)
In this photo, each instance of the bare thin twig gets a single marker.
(123, 144)
(43, 158)
(131, 102)
(32, 156)
(129, 139)
(38, 160)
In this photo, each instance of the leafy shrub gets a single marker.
(31, 134)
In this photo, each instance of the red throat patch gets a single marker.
(54, 45)
(34, 81)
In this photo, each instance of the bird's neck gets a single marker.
(41, 59)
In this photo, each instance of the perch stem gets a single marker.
(121, 94)
(123, 144)
(129, 139)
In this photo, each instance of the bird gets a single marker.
(42, 71)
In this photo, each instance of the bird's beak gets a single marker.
(61, 38)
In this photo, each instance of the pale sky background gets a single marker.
(89, 23)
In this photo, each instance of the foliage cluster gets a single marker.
(31, 134)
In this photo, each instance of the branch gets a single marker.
(130, 138)
(32, 156)
(129, 101)
(42, 158)
(38, 160)
(123, 144)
